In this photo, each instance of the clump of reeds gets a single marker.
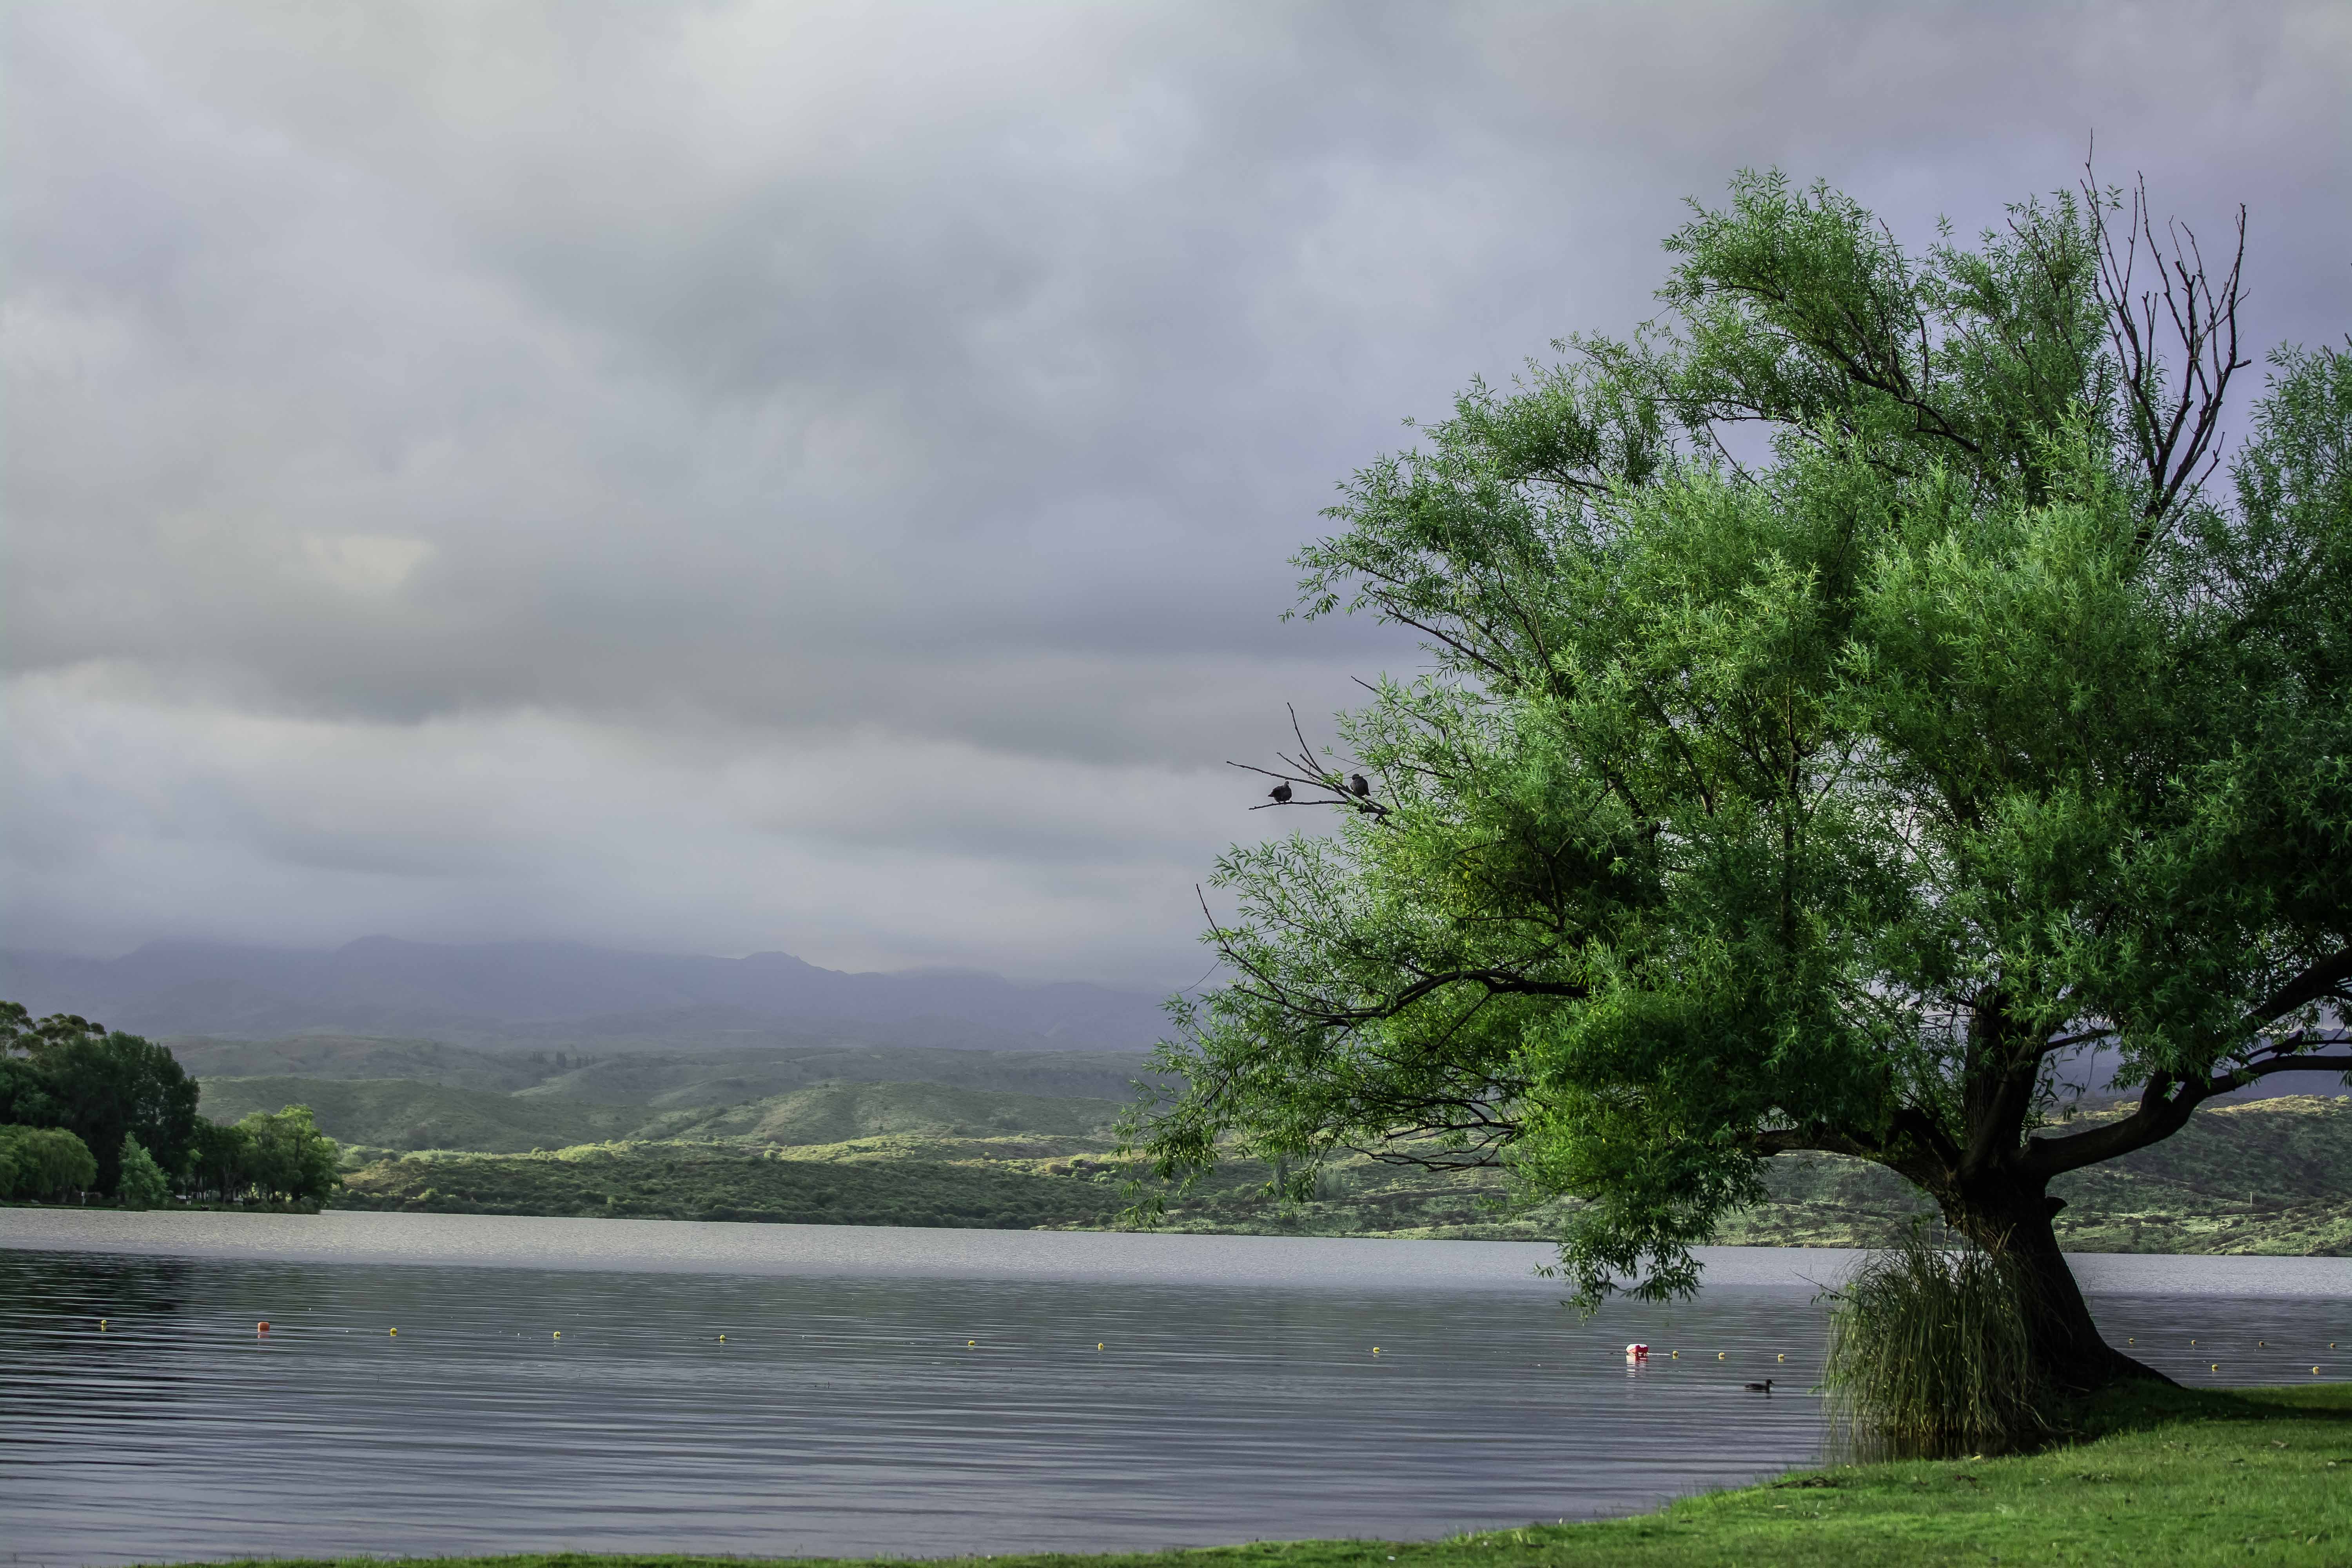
(1930, 1351)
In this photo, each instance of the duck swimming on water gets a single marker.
(1763, 1387)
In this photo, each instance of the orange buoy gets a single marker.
(262, 1326)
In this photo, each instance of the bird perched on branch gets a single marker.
(1358, 786)
(1279, 795)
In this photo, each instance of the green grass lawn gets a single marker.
(2158, 1477)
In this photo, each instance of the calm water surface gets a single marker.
(907, 1392)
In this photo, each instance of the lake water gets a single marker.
(910, 1391)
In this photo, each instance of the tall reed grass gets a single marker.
(1929, 1352)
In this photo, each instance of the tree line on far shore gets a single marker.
(85, 1110)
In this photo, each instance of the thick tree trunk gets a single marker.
(2014, 1220)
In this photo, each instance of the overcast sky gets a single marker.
(723, 477)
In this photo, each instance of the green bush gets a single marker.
(142, 1184)
(288, 1158)
(1929, 1349)
(43, 1163)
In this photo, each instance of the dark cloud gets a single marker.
(730, 476)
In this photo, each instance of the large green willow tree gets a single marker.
(1854, 699)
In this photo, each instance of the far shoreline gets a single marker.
(724, 1246)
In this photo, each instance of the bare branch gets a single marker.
(2175, 413)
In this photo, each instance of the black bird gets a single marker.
(1279, 795)
(1763, 1387)
(1358, 786)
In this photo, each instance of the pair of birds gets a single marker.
(1358, 785)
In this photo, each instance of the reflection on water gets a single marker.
(899, 1411)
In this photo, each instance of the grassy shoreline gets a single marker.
(2154, 1476)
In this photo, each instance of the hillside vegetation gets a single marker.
(839, 1112)
(400, 1113)
(397, 1114)
(899, 1152)
(730, 1181)
(709, 1076)
(875, 1135)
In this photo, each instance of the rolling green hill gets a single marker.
(401, 1114)
(406, 1115)
(718, 1078)
(839, 1112)
(667, 1080)
(357, 1057)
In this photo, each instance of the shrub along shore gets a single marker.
(2155, 1475)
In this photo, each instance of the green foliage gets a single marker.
(43, 1163)
(1933, 1345)
(25, 1099)
(286, 1159)
(103, 1087)
(1835, 798)
(218, 1161)
(142, 1184)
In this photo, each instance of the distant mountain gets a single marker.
(550, 994)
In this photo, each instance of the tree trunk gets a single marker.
(2014, 1220)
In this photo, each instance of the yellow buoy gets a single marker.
(1677, 1356)
(1098, 1344)
(722, 1338)
(101, 1326)
(1376, 1350)
(968, 1345)
(395, 1330)
(2216, 1366)
(1784, 1358)
(1719, 1355)
(559, 1333)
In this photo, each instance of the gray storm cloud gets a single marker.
(729, 476)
